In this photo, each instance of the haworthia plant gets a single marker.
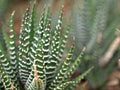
(36, 63)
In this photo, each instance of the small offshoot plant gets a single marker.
(36, 64)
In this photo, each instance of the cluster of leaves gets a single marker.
(95, 24)
(35, 64)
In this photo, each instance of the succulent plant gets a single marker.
(36, 63)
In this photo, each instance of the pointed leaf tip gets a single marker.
(84, 49)
(13, 13)
(73, 38)
(63, 6)
(92, 67)
(35, 1)
(118, 30)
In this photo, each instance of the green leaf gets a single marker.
(74, 65)
(59, 77)
(37, 36)
(54, 59)
(26, 37)
(5, 65)
(6, 38)
(5, 79)
(78, 79)
(13, 55)
(42, 55)
(37, 83)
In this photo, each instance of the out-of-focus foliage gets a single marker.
(94, 26)
(3, 8)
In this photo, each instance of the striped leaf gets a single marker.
(54, 59)
(26, 38)
(37, 83)
(13, 55)
(24, 63)
(5, 79)
(74, 65)
(5, 64)
(42, 54)
(37, 36)
(62, 71)
(64, 86)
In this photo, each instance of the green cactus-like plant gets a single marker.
(35, 64)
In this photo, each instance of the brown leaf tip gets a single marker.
(35, 71)
(13, 13)
(84, 49)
